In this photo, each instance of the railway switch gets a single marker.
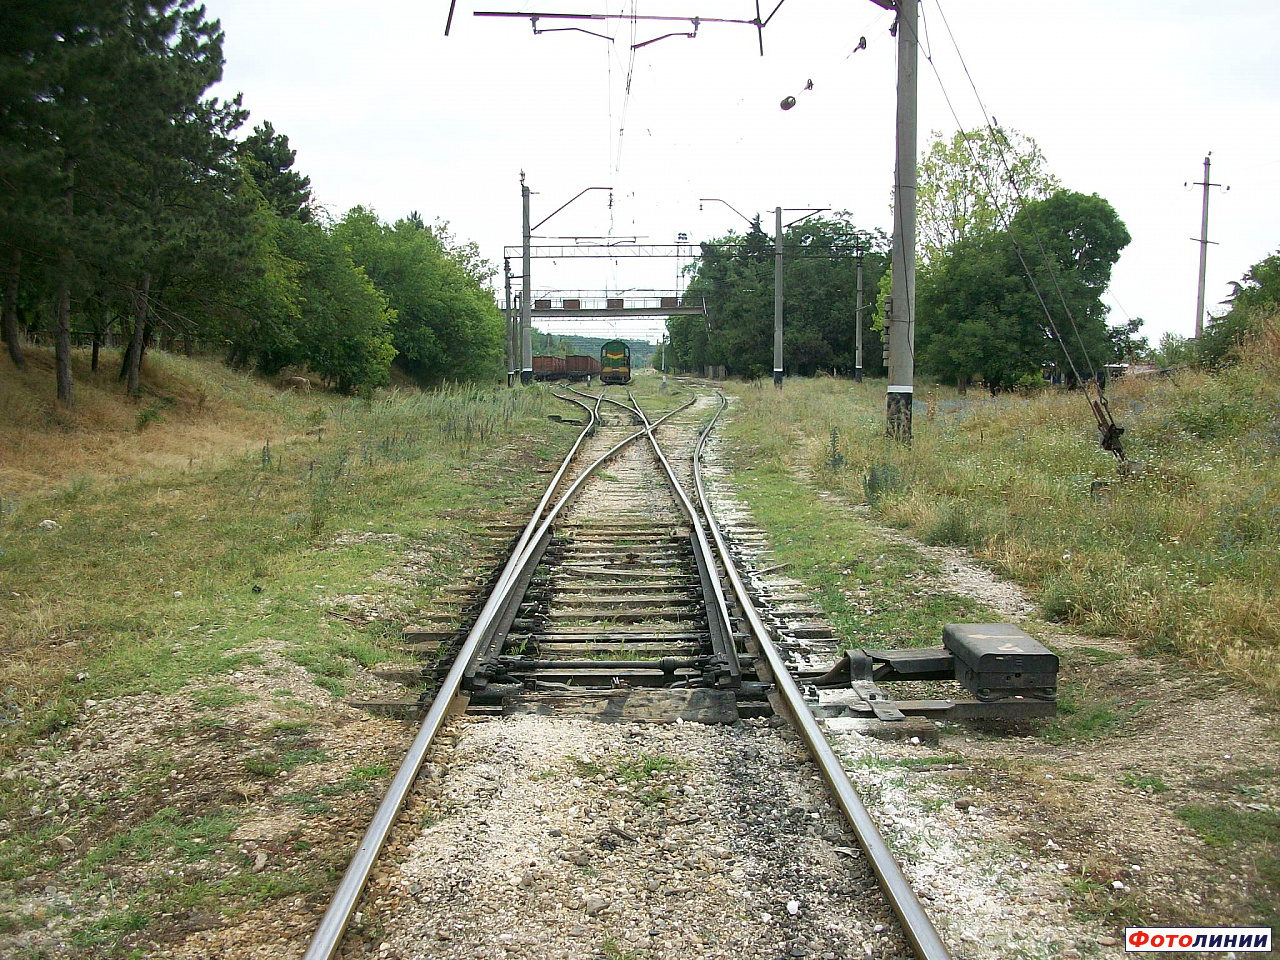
(997, 660)
(1009, 675)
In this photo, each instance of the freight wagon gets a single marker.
(548, 368)
(577, 367)
(582, 367)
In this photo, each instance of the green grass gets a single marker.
(1180, 561)
(1249, 842)
(219, 696)
(642, 768)
(1145, 782)
(260, 546)
(1090, 712)
(874, 592)
(1220, 825)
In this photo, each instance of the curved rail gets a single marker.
(916, 924)
(324, 943)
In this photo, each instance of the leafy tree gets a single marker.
(979, 315)
(958, 178)
(1259, 288)
(344, 332)
(241, 288)
(1257, 292)
(1171, 351)
(735, 276)
(449, 326)
(269, 159)
(1126, 345)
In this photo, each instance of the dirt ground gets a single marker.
(1151, 800)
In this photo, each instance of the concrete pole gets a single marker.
(902, 334)
(857, 366)
(510, 318)
(526, 299)
(777, 297)
(1204, 252)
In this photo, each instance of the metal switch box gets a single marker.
(998, 660)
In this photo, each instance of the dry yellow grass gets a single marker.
(190, 410)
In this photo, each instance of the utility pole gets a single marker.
(1204, 245)
(663, 388)
(857, 364)
(777, 269)
(777, 298)
(901, 317)
(526, 297)
(510, 318)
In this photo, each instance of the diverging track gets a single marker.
(551, 834)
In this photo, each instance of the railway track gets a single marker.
(620, 601)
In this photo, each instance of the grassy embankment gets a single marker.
(1180, 564)
(1181, 561)
(211, 521)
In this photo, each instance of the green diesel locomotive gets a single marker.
(615, 362)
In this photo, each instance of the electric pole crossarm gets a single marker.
(750, 222)
(812, 211)
(609, 16)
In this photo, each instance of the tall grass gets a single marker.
(251, 509)
(1184, 559)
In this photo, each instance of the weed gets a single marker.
(915, 763)
(1220, 825)
(610, 949)
(633, 771)
(1146, 782)
(219, 697)
(1180, 561)
(1083, 716)
(835, 459)
(587, 769)
(149, 415)
(288, 728)
(880, 478)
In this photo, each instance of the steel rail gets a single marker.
(328, 936)
(700, 542)
(916, 924)
(631, 408)
(325, 941)
(600, 397)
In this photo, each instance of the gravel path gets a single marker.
(563, 838)
(556, 837)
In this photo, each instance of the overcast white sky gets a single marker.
(1124, 97)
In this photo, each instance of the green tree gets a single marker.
(1171, 351)
(1127, 346)
(980, 315)
(241, 288)
(448, 326)
(344, 332)
(963, 184)
(735, 277)
(269, 160)
(1256, 293)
